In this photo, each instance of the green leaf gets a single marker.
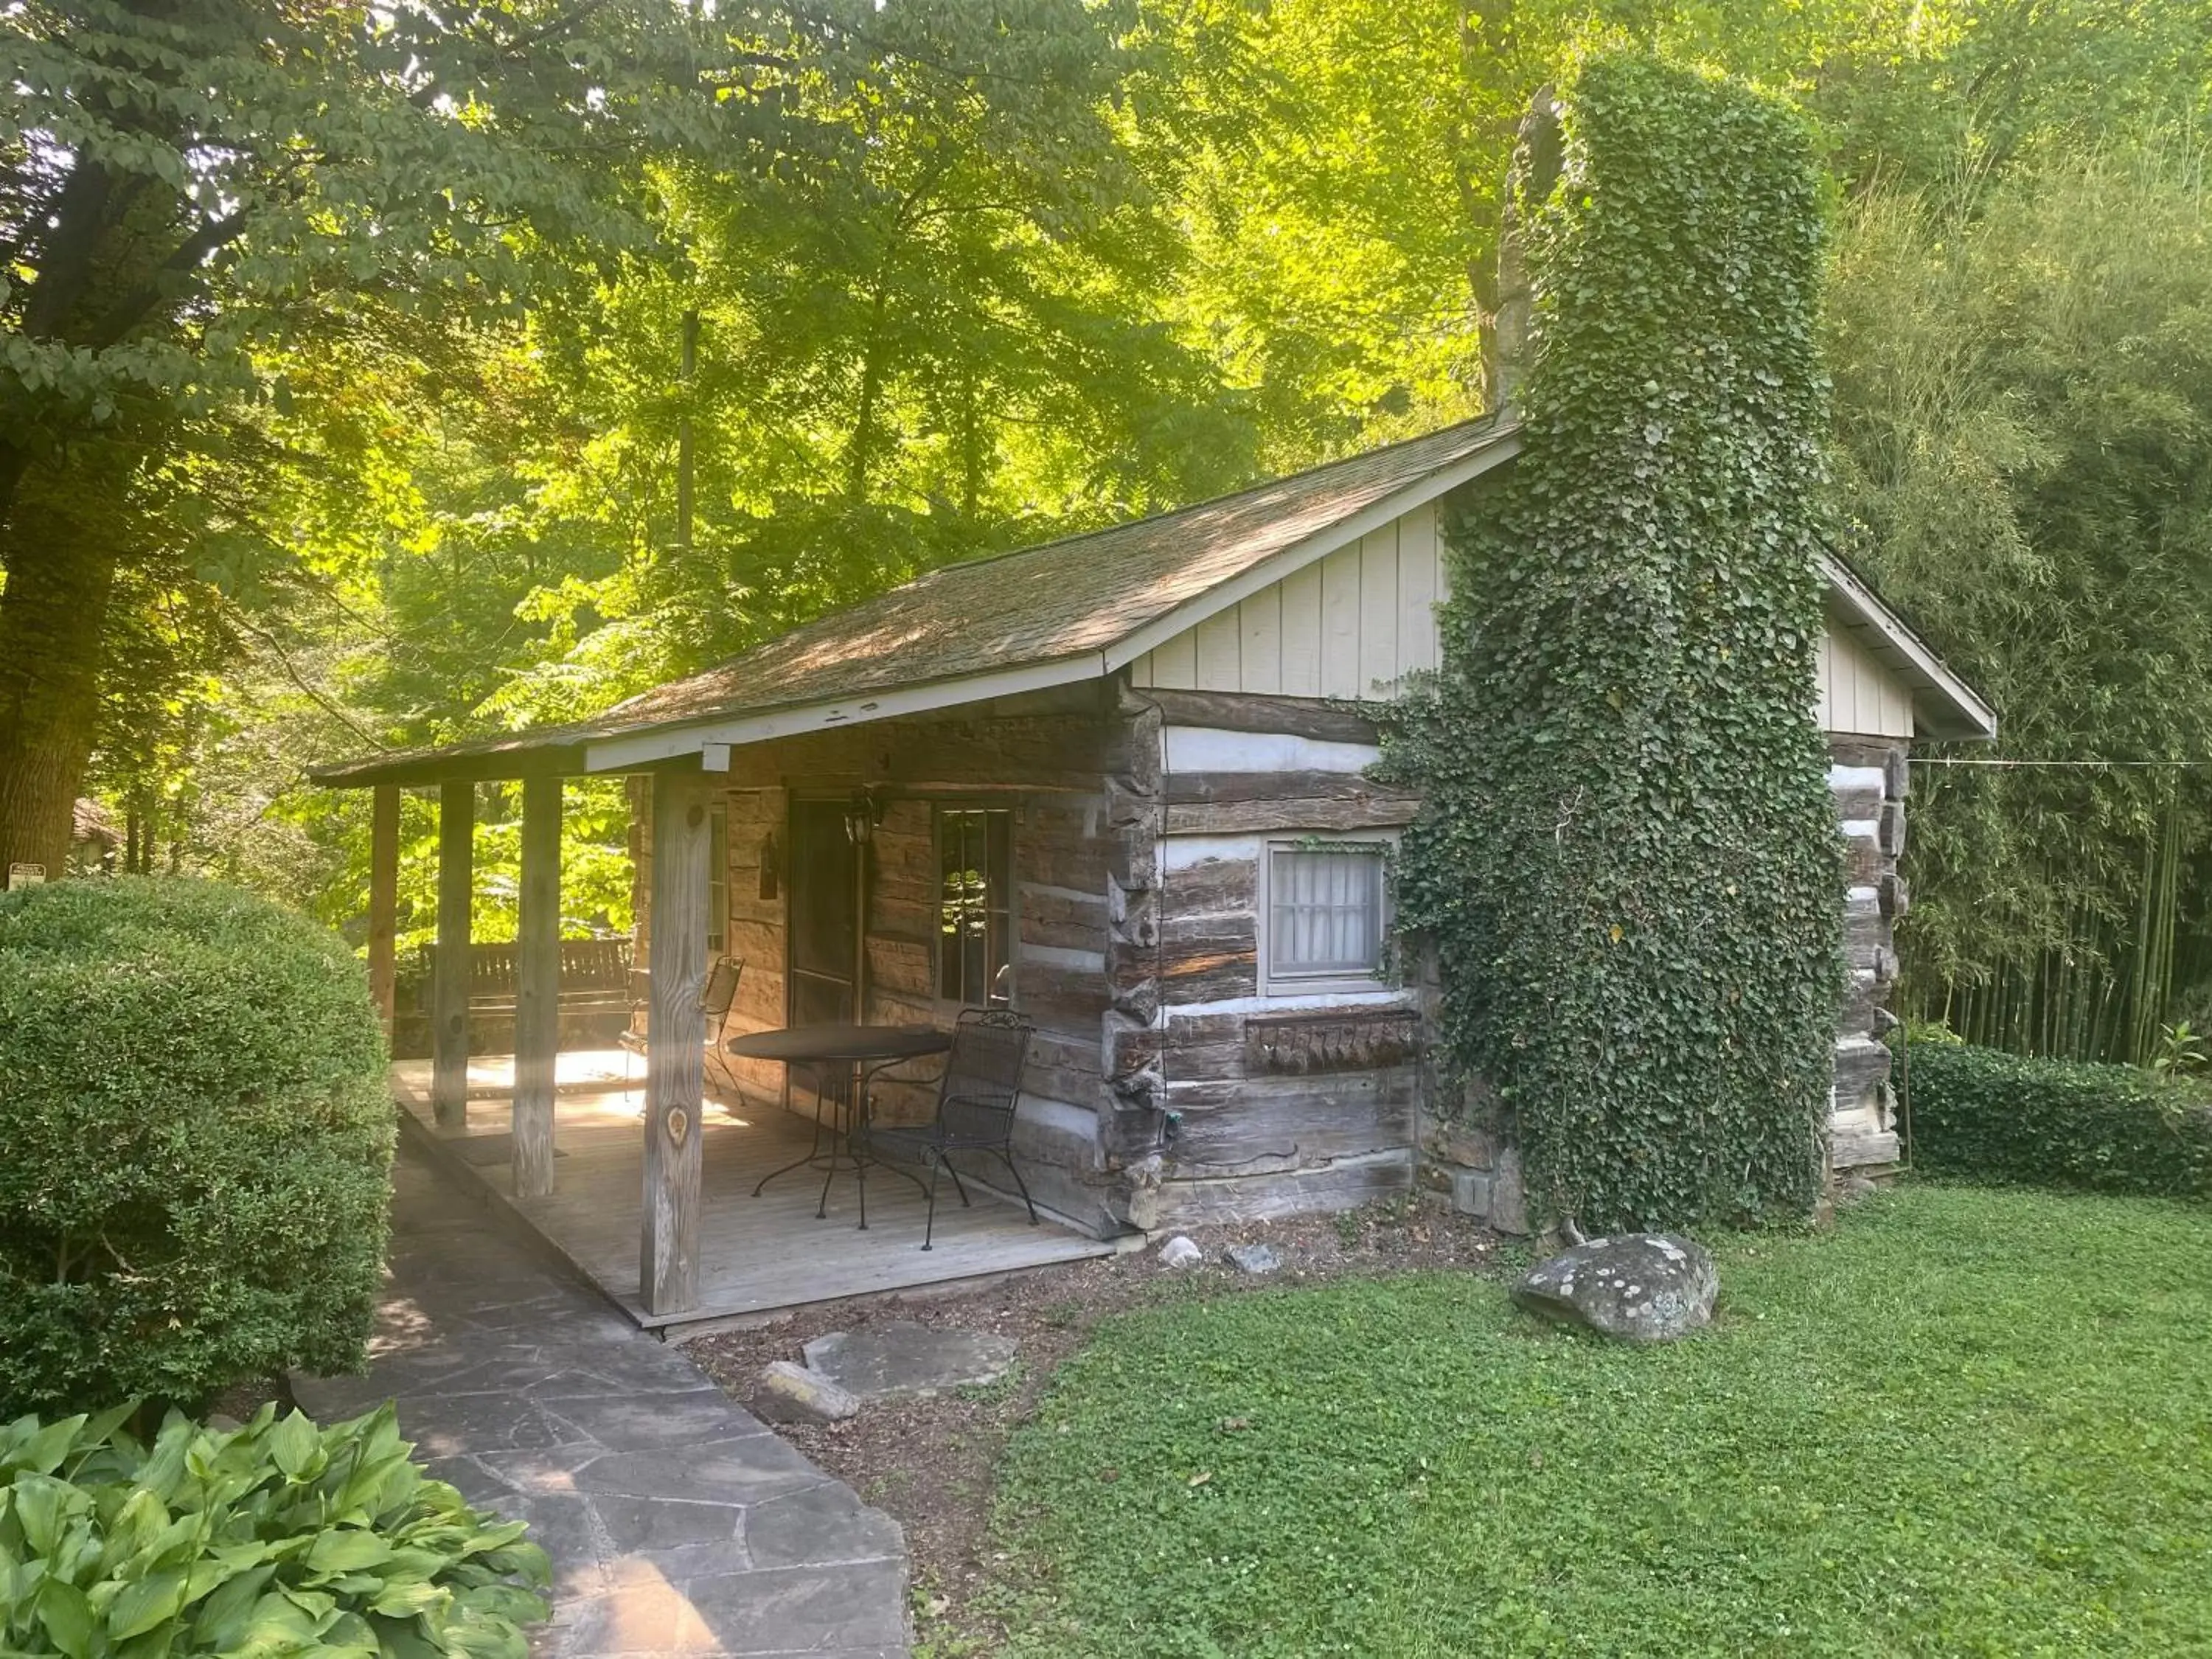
(294, 1444)
(43, 1451)
(39, 1501)
(145, 1603)
(66, 1614)
(348, 1550)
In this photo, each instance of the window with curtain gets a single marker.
(1325, 914)
(975, 938)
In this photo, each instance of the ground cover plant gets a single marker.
(195, 1142)
(261, 1542)
(1967, 1422)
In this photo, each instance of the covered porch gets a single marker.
(638, 1164)
(756, 1255)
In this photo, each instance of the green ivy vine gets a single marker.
(1628, 862)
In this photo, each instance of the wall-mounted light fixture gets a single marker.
(771, 866)
(862, 815)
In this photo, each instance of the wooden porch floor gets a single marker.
(756, 1255)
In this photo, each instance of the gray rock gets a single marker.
(1255, 1258)
(791, 1393)
(1180, 1251)
(1641, 1287)
(899, 1356)
(1854, 1188)
(1509, 1200)
(1471, 1192)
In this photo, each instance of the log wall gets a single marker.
(1270, 1104)
(1158, 1092)
(1869, 779)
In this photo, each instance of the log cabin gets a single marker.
(1118, 782)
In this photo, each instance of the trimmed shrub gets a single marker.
(195, 1144)
(1985, 1115)
(278, 1538)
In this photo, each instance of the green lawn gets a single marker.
(1965, 1423)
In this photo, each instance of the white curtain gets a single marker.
(1326, 908)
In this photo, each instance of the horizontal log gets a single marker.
(1866, 935)
(1295, 815)
(1861, 1067)
(1344, 1185)
(1209, 888)
(1892, 895)
(1057, 850)
(1077, 1088)
(970, 750)
(1297, 1099)
(1240, 711)
(1857, 802)
(1861, 1148)
(1863, 863)
(1068, 1001)
(1287, 1131)
(1063, 920)
(900, 966)
(1863, 751)
(1187, 788)
(1208, 958)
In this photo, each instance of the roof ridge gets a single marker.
(1495, 418)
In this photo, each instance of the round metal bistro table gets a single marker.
(859, 1051)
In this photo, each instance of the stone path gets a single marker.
(676, 1523)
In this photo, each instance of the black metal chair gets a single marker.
(716, 998)
(976, 1100)
(721, 992)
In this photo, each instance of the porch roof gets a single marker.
(1074, 609)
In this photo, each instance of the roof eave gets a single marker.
(1943, 705)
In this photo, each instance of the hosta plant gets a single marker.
(277, 1539)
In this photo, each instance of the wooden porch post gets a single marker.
(383, 896)
(449, 974)
(538, 988)
(675, 1061)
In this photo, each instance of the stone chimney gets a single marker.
(1530, 176)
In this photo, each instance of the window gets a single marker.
(718, 879)
(1325, 916)
(975, 929)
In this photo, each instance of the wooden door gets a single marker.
(825, 915)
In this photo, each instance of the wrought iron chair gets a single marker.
(716, 998)
(976, 1101)
(721, 992)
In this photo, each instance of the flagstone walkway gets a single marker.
(676, 1523)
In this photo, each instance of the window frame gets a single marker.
(939, 808)
(718, 879)
(1324, 981)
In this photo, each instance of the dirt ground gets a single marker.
(930, 1462)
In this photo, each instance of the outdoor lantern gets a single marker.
(861, 817)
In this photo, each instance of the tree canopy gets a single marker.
(342, 353)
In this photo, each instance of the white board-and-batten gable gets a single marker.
(1355, 622)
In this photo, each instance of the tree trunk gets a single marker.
(51, 616)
